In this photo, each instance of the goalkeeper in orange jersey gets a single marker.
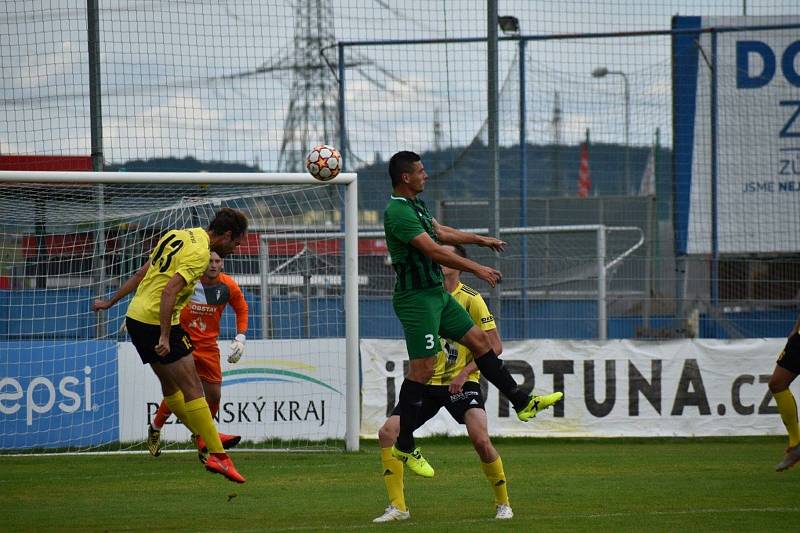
(200, 319)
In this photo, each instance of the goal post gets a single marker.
(68, 379)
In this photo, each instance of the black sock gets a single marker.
(492, 368)
(410, 404)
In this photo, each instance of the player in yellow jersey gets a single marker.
(454, 386)
(163, 286)
(785, 372)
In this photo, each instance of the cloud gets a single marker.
(162, 64)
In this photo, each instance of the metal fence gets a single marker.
(250, 85)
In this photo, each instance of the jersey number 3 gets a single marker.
(429, 341)
(161, 260)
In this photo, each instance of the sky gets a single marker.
(217, 81)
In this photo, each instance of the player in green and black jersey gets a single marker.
(426, 310)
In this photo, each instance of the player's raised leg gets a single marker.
(526, 405)
(194, 412)
(213, 394)
(173, 397)
(212, 388)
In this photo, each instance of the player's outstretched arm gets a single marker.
(126, 288)
(448, 258)
(450, 235)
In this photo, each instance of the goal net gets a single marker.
(70, 380)
(559, 281)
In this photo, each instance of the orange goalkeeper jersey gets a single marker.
(200, 318)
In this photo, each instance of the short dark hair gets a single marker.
(460, 250)
(400, 163)
(227, 219)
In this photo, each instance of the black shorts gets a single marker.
(145, 338)
(437, 396)
(789, 358)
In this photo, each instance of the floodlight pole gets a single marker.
(523, 189)
(340, 106)
(494, 111)
(602, 72)
(714, 174)
(627, 131)
(96, 130)
(95, 107)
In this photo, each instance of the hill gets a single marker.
(463, 173)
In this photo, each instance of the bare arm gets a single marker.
(126, 288)
(443, 256)
(167, 306)
(450, 235)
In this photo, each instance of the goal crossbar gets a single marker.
(349, 236)
(220, 178)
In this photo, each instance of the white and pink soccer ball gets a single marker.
(324, 162)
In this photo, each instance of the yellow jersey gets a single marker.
(182, 251)
(454, 356)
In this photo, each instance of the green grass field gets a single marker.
(555, 485)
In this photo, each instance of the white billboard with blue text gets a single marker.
(737, 134)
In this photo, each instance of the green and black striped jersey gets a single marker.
(404, 219)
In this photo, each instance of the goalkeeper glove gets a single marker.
(237, 348)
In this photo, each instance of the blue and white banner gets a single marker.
(615, 388)
(76, 394)
(279, 390)
(58, 394)
(749, 86)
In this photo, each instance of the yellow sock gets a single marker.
(176, 405)
(199, 417)
(393, 477)
(497, 478)
(787, 407)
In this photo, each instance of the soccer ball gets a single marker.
(324, 162)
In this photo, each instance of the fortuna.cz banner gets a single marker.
(686, 387)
